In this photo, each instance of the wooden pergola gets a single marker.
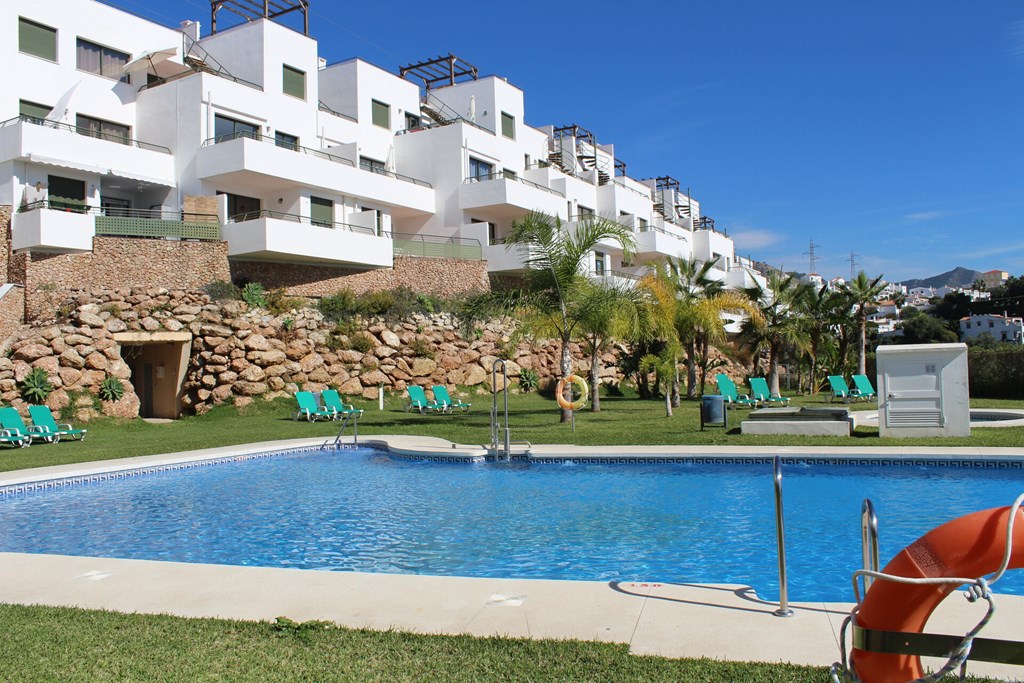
(250, 10)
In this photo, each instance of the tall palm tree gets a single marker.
(556, 261)
(692, 283)
(862, 292)
(821, 310)
(779, 304)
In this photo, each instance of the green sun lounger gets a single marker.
(760, 392)
(841, 390)
(727, 388)
(10, 421)
(444, 399)
(864, 388)
(331, 399)
(418, 401)
(14, 437)
(310, 410)
(42, 417)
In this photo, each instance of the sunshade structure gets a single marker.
(157, 62)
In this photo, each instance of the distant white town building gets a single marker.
(1002, 328)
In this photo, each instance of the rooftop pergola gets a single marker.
(251, 10)
(441, 71)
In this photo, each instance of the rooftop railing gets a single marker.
(87, 132)
(113, 221)
(501, 175)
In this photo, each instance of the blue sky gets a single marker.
(893, 130)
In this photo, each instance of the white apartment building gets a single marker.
(110, 121)
(1003, 328)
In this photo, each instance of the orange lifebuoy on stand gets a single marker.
(581, 387)
(969, 546)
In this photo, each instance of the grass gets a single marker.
(622, 420)
(48, 644)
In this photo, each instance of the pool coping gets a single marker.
(673, 620)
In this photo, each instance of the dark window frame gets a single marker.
(104, 51)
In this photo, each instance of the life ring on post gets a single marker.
(581, 387)
(969, 546)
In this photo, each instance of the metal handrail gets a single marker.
(645, 195)
(258, 137)
(354, 416)
(391, 174)
(333, 112)
(295, 218)
(495, 427)
(780, 533)
(654, 228)
(868, 541)
(501, 175)
(72, 206)
(87, 132)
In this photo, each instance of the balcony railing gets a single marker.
(501, 175)
(645, 195)
(121, 222)
(318, 153)
(295, 218)
(436, 246)
(391, 174)
(87, 132)
(663, 231)
(325, 108)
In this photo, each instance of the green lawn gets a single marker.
(622, 420)
(46, 644)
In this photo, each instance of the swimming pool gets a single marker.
(696, 521)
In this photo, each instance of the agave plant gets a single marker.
(36, 386)
(111, 389)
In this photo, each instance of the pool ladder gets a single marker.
(780, 535)
(502, 451)
(868, 541)
(354, 416)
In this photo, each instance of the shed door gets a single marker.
(913, 394)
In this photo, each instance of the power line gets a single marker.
(812, 259)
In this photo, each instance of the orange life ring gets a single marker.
(969, 546)
(581, 386)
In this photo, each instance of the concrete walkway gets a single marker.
(672, 620)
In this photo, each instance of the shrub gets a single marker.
(219, 290)
(361, 343)
(376, 303)
(996, 373)
(111, 389)
(528, 380)
(279, 302)
(338, 306)
(254, 295)
(422, 348)
(36, 386)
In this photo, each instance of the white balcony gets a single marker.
(282, 238)
(58, 144)
(654, 242)
(498, 197)
(264, 166)
(52, 231)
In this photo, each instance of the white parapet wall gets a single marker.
(923, 390)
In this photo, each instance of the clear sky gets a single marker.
(893, 130)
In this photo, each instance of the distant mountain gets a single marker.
(958, 277)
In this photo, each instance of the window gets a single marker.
(641, 223)
(991, 323)
(381, 114)
(509, 173)
(412, 121)
(287, 141)
(33, 110)
(492, 233)
(968, 325)
(321, 211)
(241, 207)
(36, 39)
(372, 165)
(66, 193)
(225, 128)
(480, 170)
(599, 262)
(526, 162)
(585, 210)
(293, 82)
(508, 125)
(106, 130)
(102, 61)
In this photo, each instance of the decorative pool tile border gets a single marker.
(997, 462)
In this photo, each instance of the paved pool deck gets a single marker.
(667, 619)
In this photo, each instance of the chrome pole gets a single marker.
(868, 540)
(783, 610)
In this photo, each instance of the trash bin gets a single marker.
(712, 411)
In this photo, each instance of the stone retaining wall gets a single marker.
(5, 242)
(12, 311)
(440, 276)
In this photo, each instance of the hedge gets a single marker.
(992, 373)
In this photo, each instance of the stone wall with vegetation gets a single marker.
(440, 276)
(239, 354)
(12, 312)
(5, 242)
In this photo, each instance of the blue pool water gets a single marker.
(366, 511)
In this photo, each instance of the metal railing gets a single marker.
(780, 535)
(112, 221)
(87, 132)
(663, 231)
(615, 273)
(501, 175)
(296, 218)
(333, 112)
(258, 137)
(645, 195)
(868, 541)
(437, 246)
(391, 174)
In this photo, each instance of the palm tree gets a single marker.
(605, 313)
(692, 283)
(779, 304)
(862, 292)
(556, 263)
(820, 310)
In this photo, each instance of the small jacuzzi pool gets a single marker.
(996, 417)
